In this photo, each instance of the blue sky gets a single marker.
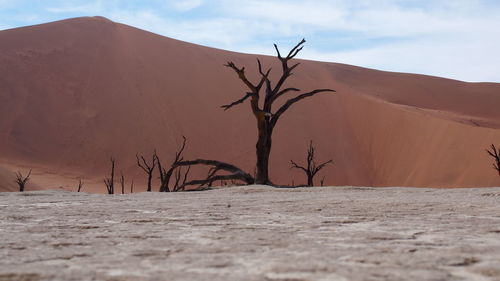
(458, 39)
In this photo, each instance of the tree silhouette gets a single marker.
(110, 182)
(495, 153)
(266, 118)
(122, 182)
(22, 180)
(165, 175)
(311, 169)
(147, 167)
(181, 176)
(80, 184)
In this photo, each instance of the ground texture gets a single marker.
(253, 233)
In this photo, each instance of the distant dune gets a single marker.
(75, 92)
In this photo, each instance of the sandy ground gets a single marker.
(253, 233)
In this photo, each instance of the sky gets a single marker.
(458, 39)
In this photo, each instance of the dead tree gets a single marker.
(110, 182)
(235, 173)
(80, 184)
(495, 153)
(311, 169)
(180, 179)
(165, 175)
(22, 180)
(147, 167)
(181, 176)
(122, 182)
(265, 116)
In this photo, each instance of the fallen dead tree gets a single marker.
(180, 168)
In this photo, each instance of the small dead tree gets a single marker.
(262, 104)
(495, 153)
(181, 176)
(147, 167)
(110, 182)
(311, 169)
(80, 184)
(122, 182)
(165, 175)
(22, 180)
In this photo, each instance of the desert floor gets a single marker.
(253, 233)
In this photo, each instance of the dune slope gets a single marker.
(75, 92)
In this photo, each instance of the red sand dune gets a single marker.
(75, 92)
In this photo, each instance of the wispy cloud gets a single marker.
(451, 38)
(186, 5)
(86, 8)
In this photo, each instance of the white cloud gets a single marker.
(456, 39)
(94, 7)
(467, 61)
(215, 32)
(452, 38)
(186, 5)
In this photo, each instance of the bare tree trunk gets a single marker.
(263, 149)
(122, 182)
(150, 178)
(110, 182)
(22, 180)
(80, 184)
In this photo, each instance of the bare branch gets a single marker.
(495, 153)
(290, 102)
(321, 166)
(241, 75)
(296, 166)
(228, 106)
(284, 91)
(293, 67)
(296, 49)
(277, 51)
(145, 165)
(264, 78)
